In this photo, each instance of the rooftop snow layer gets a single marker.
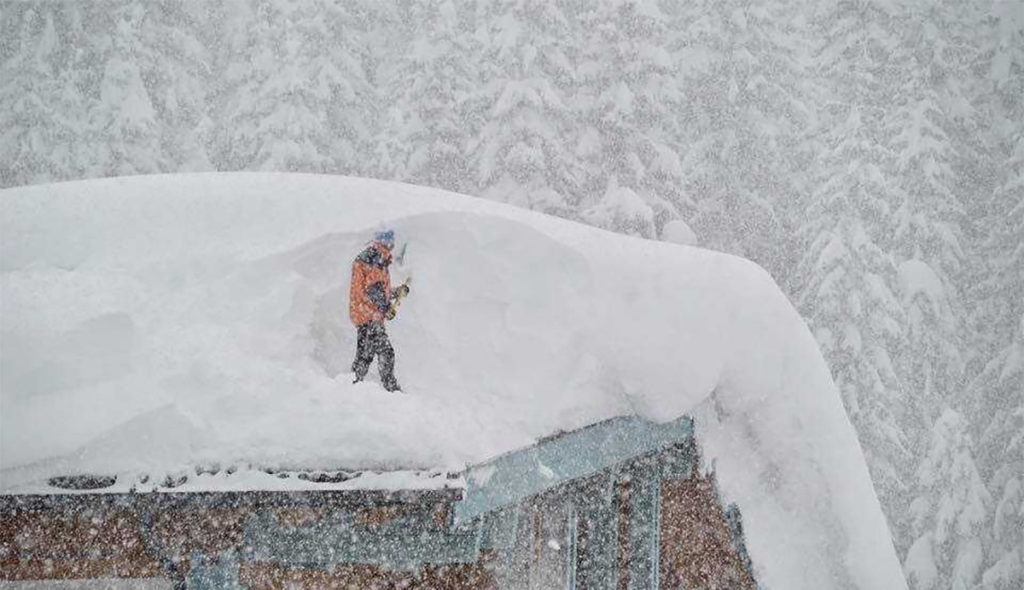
(153, 324)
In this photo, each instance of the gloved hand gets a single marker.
(397, 294)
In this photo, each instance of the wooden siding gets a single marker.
(651, 522)
(88, 544)
(697, 548)
(263, 576)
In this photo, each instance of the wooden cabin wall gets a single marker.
(622, 554)
(555, 536)
(84, 545)
(116, 542)
(697, 549)
(264, 576)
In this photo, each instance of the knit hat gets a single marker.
(385, 237)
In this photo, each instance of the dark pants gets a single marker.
(373, 341)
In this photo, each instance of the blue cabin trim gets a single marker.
(644, 530)
(403, 543)
(213, 572)
(581, 468)
(515, 476)
(500, 529)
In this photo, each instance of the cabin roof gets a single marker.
(481, 489)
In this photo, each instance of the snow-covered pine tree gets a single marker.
(272, 119)
(1003, 445)
(998, 392)
(999, 389)
(744, 118)
(846, 281)
(123, 134)
(1006, 242)
(1001, 265)
(521, 154)
(1003, 59)
(303, 103)
(227, 30)
(949, 513)
(628, 95)
(178, 79)
(929, 233)
(41, 106)
(115, 88)
(346, 75)
(844, 285)
(426, 128)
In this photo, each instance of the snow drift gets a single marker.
(152, 324)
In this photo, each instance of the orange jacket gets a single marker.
(369, 295)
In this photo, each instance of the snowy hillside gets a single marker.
(154, 324)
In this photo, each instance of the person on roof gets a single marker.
(372, 301)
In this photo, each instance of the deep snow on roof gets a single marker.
(152, 324)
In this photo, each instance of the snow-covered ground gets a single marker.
(154, 324)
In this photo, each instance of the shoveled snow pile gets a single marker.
(154, 324)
